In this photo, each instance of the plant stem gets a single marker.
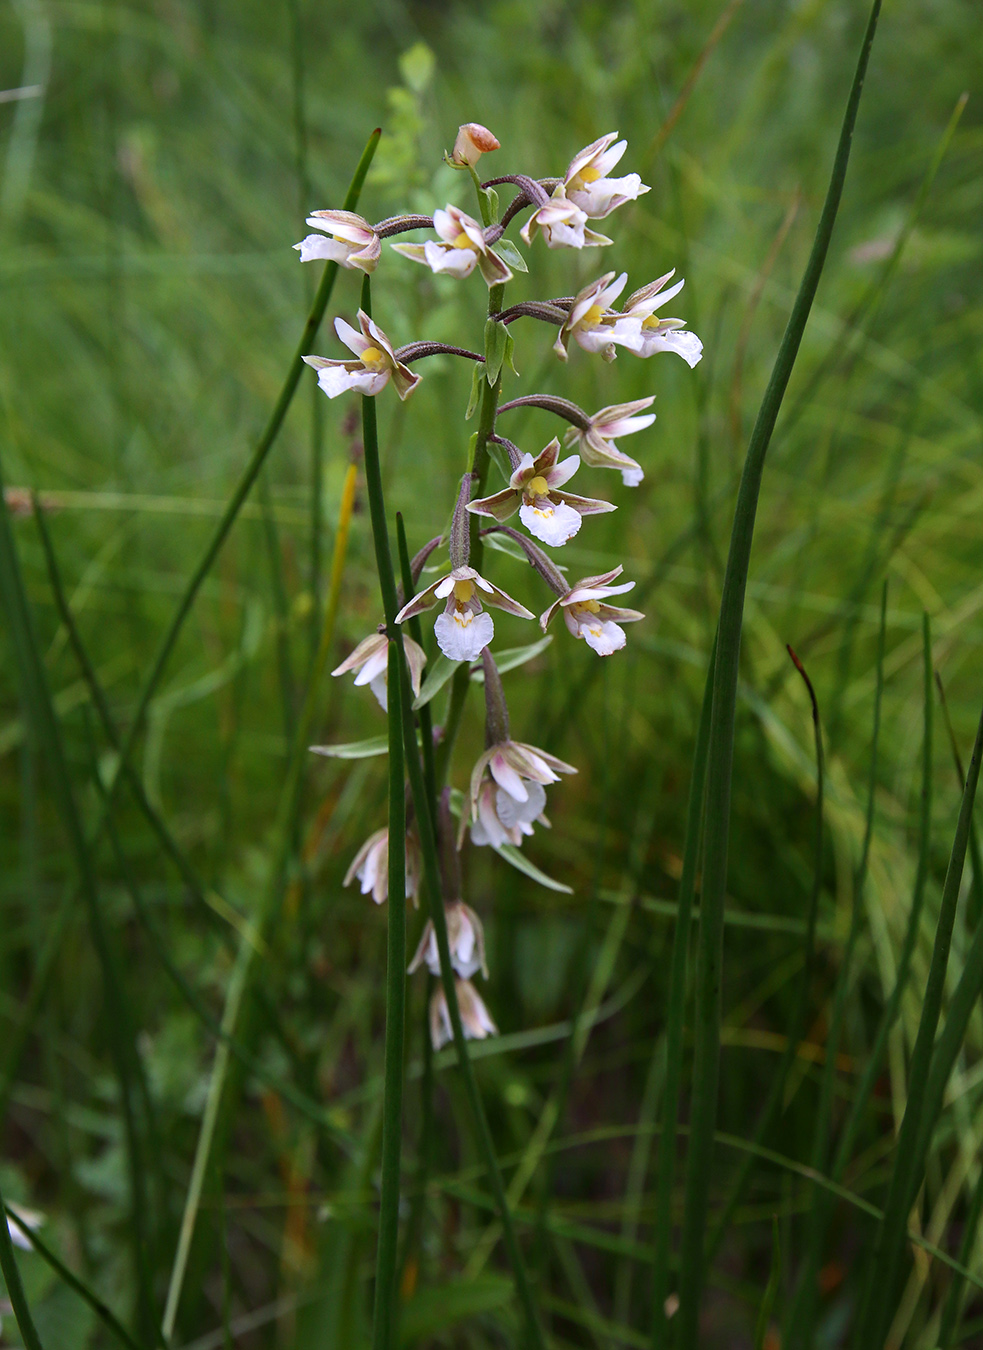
(15, 1289)
(709, 972)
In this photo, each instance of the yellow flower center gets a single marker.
(591, 606)
(537, 487)
(652, 321)
(593, 316)
(463, 591)
(585, 176)
(372, 356)
(462, 241)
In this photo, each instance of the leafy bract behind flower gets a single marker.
(587, 183)
(459, 250)
(550, 515)
(353, 243)
(475, 1018)
(375, 365)
(370, 661)
(588, 617)
(596, 440)
(464, 628)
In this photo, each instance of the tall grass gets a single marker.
(182, 974)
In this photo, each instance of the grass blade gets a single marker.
(15, 1288)
(721, 745)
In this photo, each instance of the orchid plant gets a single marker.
(507, 793)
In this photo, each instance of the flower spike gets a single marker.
(376, 362)
(348, 239)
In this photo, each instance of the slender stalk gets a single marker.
(425, 714)
(721, 744)
(428, 842)
(913, 1137)
(675, 1021)
(15, 1289)
(386, 1308)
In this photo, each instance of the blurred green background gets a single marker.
(151, 189)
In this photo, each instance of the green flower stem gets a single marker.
(676, 1019)
(15, 1289)
(386, 1307)
(425, 714)
(709, 970)
(428, 842)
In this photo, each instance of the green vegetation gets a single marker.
(193, 1024)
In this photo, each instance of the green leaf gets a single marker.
(496, 336)
(438, 673)
(512, 657)
(510, 255)
(440, 1307)
(510, 353)
(517, 859)
(373, 745)
(490, 198)
(497, 455)
(417, 67)
(475, 398)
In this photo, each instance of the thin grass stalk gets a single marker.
(974, 911)
(384, 1331)
(68, 1277)
(425, 714)
(953, 1306)
(428, 843)
(917, 1123)
(126, 1062)
(721, 744)
(676, 1019)
(802, 1312)
(775, 1101)
(15, 1287)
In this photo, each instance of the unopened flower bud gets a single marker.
(475, 1018)
(465, 937)
(473, 141)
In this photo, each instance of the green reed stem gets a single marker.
(676, 1019)
(386, 1307)
(709, 973)
(802, 1312)
(925, 1086)
(15, 1289)
(428, 842)
(425, 714)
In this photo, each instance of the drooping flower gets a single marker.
(371, 866)
(353, 243)
(661, 335)
(518, 769)
(500, 819)
(563, 224)
(465, 937)
(596, 441)
(370, 661)
(594, 325)
(375, 365)
(460, 249)
(587, 183)
(588, 617)
(550, 515)
(475, 1018)
(464, 627)
(473, 141)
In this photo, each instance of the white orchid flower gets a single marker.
(596, 441)
(550, 515)
(562, 223)
(375, 365)
(465, 937)
(475, 1018)
(588, 617)
(473, 141)
(594, 325)
(353, 243)
(464, 628)
(370, 661)
(587, 183)
(460, 249)
(661, 335)
(500, 819)
(371, 866)
(518, 769)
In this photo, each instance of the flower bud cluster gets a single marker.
(507, 795)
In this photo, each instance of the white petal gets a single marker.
(504, 774)
(604, 638)
(373, 667)
(461, 635)
(631, 477)
(562, 472)
(553, 524)
(457, 262)
(380, 687)
(512, 813)
(335, 380)
(319, 246)
(354, 340)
